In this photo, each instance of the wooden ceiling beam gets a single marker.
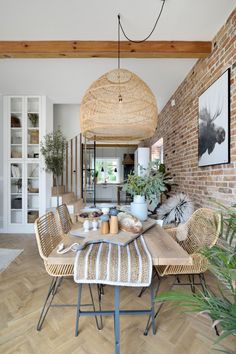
(104, 49)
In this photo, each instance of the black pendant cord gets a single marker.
(120, 99)
(143, 40)
(118, 42)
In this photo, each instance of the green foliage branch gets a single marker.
(53, 147)
(150, 184)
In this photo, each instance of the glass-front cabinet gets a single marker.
(25, 175)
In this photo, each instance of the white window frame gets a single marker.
(118, 173)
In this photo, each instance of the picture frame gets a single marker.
(214, 123)
(34, 137)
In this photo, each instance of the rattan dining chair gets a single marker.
(49, 236)
(201, 230)
(64, 218)
(66, 225)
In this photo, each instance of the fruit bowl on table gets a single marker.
(94, 215)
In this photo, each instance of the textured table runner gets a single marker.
(106, 263)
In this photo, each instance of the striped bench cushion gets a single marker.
(106, 263)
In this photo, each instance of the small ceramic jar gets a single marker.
(95, 225)
(86, 226)
(113, 212)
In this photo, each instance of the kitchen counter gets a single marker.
(107, 191)
(110, 184)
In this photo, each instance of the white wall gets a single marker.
(66, 116)
(49, 129)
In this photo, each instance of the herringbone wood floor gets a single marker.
(23, 287)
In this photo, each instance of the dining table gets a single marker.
(164, 250)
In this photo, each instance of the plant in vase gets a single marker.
(33, 117)
(145, 187)
(53, 149)
(18, 184)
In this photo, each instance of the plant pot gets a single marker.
(139, 208)
(139, 199)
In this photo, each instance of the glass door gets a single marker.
(32, 192)
(16, 193)
(33, 121)
(16, 127)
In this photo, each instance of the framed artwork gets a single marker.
(213, 129)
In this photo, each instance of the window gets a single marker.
(157, 151)
(111, 173)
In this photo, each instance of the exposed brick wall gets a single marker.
(178, 126)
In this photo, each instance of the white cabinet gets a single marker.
(106, 192)
(141, 158)
(25, 181)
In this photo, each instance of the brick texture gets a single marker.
(178, 126)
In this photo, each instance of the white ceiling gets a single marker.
(65, 80)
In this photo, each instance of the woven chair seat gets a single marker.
(200, 265)
(59, 270)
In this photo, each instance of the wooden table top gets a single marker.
(162, 247)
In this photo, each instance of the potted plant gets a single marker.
(33, 117)
(146, 187)
(53, 147)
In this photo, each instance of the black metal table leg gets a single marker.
(117, 320)
(78, 310)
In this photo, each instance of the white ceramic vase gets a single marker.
(139, 208)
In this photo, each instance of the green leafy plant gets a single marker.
(229, 222)
(149, 184)
(53, 147)
(33, 117)
(168, 179)
(95, 176)
(18, 184)
(220, 307)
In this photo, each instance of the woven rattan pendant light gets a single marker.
(118, 106)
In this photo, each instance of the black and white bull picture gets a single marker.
(209, 133)
(213, 128)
